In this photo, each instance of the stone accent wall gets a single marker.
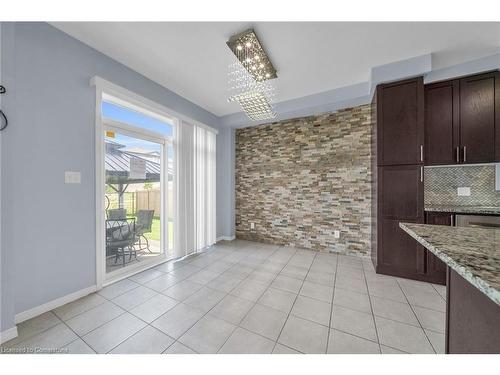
(300, 180)
(441, 183)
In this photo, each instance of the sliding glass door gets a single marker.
(138, 190)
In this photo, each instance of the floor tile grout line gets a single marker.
(331, 308)
(437, 291)
(255, 303)
(256, 267)
(78, 337)
(216, 318)
(128, 290)
(414, 313)
(269, 285)
(107, 299)
(82, 312)
(99, 326)
(38, 333)
(177, 339)
(127, 311)
(135, 333)
(295, 300)
(373, 313)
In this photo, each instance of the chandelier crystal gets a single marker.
(250, 79)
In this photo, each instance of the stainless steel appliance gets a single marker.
(477, 221)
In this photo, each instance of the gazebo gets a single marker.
(118, 169)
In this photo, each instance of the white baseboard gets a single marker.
(8, 334)
(38, 310)
(225, 238)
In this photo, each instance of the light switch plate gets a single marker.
(252, 225)
(71, 177)
(463, 191)
(336, 233)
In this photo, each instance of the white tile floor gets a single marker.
(246, 297)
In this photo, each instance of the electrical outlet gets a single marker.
(463, 191)
(336, 233)
(252, 225)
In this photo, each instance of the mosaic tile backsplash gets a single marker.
(300, 180)
(441, 185)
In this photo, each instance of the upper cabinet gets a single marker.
(462, 120)
(477, 117)
(400, 109)
(441, 123)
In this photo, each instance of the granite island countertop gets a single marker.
(474, 253)
(487, 210)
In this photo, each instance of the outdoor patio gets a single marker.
(133, 207)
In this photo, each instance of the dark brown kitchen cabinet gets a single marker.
(442, 135)
(434, 267)
(400, 198)
(400, 108)
(401, 194)
(398, 187)
(479, 107)
(462, 120)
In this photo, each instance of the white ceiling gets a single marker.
(191, 59)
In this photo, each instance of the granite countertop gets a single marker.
(492, 210)
(474, 253)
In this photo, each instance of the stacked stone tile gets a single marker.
(300, 180)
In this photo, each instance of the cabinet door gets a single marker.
(399, 254)
(400, 122)
(477, 118)
(400, 198)
(401, 193)
(442, 123)
(435, 267)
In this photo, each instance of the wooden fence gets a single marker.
(141, 200)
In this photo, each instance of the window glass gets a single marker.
(118, 113)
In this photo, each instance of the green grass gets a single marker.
(155, 233)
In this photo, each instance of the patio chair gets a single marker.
(116, 213)
(144, 224)
(121, 236)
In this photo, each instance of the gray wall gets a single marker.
(48, 228)
(225, 183)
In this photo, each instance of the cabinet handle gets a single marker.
(458, 154)
(421, 152)
(465, 154)
(421, 174)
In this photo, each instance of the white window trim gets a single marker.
(158, 111)
(106, 90)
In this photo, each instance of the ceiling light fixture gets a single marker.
(250, 78)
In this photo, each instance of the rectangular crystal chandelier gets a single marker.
(255, 104)
(250, 78)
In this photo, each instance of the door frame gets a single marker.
(106, 90)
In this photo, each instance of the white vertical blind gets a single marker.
(195, 150)
(204, 187)
(184, 241)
